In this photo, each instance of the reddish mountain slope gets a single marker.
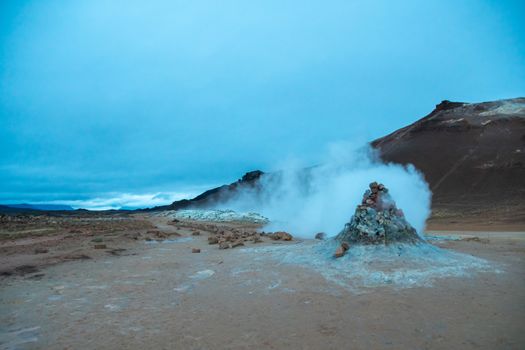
(472, 156)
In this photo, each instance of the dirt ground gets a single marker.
(145, 288)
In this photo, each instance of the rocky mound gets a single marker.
(377, 220)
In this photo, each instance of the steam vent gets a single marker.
(377, 220)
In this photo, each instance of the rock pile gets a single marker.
(237, 238)
(279, 236)
(377, 220)
(234, 238)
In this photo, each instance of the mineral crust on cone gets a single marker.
(377, 220)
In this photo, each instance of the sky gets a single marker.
(136, 103)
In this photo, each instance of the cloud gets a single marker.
(121, 200)
(105, 96)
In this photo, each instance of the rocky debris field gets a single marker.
(228, 236)
(214, 215)
(161, 284)
(27, 225)
(29, 242)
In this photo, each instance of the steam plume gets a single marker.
(304, 201)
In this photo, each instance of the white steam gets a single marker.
(304, 201)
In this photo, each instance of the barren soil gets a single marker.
(139, 293)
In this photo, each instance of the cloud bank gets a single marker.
(114, 200)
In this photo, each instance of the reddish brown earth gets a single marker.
(164, 296)
(473, 157)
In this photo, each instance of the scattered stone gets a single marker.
(213, 240)
(37, 276)
(321, 236)
(97, 240)
(195, 250)
(195, 233)
(76, 257)
(100, 246)
(280, 235)
(224, 245)
(237, 244)
(341, 250)
(135, 236)
(41, 250)
(117, 251)
(476, 239)
(25, 269)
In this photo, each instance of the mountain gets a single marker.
(46, 207)
(33, 208)
(471, 154)
(216, 195)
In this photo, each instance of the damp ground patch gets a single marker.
(370, 266)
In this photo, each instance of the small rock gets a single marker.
(41, 251)
(237, 244)
(280, 235)
(284, 236)
(195, 233)
(213, 240)
(341, 250)
(195, 250)
(100, 246)
(321, 236)
(224, 245)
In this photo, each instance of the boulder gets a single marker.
(280, 235)
(321, 236)
(237, 243)
(224, 245)
(341, 250)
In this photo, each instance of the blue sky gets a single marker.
(106, 99)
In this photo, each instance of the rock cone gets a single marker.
(377, 220)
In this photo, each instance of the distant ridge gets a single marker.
(47, 207)
(216, 195)
(32, 208)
